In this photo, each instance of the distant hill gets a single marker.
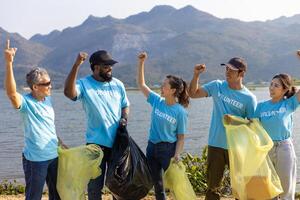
(175, 40)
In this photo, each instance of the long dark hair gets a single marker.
(181, 90)
(287, 83)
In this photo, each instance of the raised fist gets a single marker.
(199, 68)
(142, 56)
(81, 58)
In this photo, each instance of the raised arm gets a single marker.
(195, 90)
(70, 83)
(10, 83)
(140, 79)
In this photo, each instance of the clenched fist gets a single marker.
(82, 56)
(199, 68)
(142, 56)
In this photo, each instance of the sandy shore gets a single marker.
(107, 197)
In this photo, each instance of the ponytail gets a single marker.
(291, 92)
(184, 98)
(181, 90)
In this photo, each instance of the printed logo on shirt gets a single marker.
(230, 101)
(165, 116)
(273, 112)
(108, 93)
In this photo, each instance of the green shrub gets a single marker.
(11, 188)
(196, 170)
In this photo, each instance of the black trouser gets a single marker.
(217, 159)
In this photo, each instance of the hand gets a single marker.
(63, 146)
(81, 58)
(123, 121)
(199, 68)
(9, 53)
(176, 158)
(298, 53)
(143, 56)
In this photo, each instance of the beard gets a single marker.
(105, 76)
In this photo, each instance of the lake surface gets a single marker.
(70, 126)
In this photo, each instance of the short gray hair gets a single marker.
(34, 76)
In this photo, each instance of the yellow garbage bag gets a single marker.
(251, 171)
(76, 166)
(176, 180)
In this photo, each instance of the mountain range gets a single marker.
(175, 40)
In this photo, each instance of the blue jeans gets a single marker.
(159, 156)
(95, 186)
(36, 174)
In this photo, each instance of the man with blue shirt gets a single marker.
(40, 144)
(105, 103)
(230, 96)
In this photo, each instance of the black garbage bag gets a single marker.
(128, 175)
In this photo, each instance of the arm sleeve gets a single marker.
(125, 102)
(79, 89)
(153, 98)
(23, 106)
(251, 107)
(182, 123)
(210, 88)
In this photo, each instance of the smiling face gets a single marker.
(103, 72)
(166, 90)
(276, 89)
(43, 86)
(233, 75)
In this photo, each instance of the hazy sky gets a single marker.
(29, 17)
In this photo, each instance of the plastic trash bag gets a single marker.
(176, 180)
(76, 166)
(128, 175)
(251, 171)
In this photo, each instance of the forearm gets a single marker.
(10, 86)
(141, 74)
(125, 113)
(179, 144)
(194, 85)
(298, 94)
(10, 83)
(70, 83)
(141, 79)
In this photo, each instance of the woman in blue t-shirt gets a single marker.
(168, 123)
(276, 116)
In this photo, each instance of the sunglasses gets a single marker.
(44, 84)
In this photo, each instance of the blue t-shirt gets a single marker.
(102, 103)
(166, 120)
(240, 103)
(40, 142)
(277, 118)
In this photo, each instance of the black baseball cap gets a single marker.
(236, 63)
(101, 57)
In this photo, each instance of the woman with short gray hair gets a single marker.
(40, 158)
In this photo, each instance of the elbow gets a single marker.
(192, 94)
(69, 94)
(66, 93)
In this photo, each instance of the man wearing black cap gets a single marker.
(230, 96)
(105, 103)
